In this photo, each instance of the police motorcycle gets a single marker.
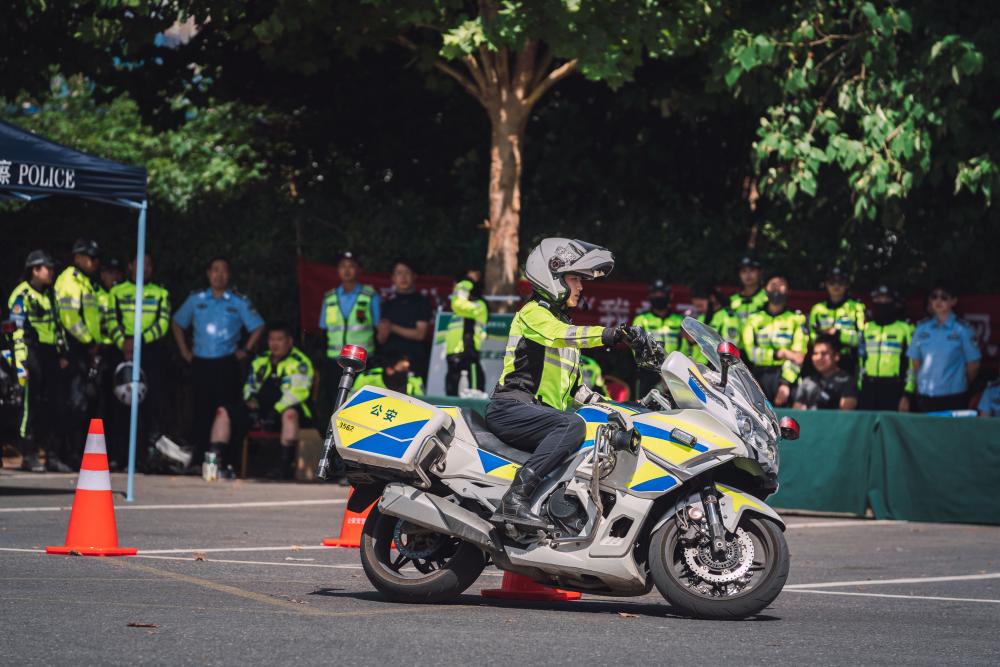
(11, 375)
(667, 492)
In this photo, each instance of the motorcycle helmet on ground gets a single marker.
(123, 383)
(552, 259)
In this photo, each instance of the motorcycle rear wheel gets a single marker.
(447, 566)
(680, 586)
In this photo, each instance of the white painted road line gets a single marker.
(883, 582)
(290, 547)
(203, 506)
(899, 597)
(852, 523)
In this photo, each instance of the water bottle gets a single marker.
(463, 384)
(210, 468)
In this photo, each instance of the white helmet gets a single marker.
(123, 383)
(552, 259)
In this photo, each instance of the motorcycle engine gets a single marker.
(566, 511)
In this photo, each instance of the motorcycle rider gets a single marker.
(541, 368)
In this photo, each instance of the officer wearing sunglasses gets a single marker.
(944, 355)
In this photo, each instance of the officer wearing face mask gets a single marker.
(886, 375)
(775, 342)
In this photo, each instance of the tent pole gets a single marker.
(133, 426)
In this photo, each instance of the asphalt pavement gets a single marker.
(233, 573)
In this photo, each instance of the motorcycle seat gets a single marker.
(488, 441)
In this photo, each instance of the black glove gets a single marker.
(630, 335)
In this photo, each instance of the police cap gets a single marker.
(837, 275)
(111, 264)
(347, 254)
(86, 247)
(659, 285)
(884, 290)
(38, 258)
(749, 259)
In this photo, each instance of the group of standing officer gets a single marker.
(875, 360)
(72, 332)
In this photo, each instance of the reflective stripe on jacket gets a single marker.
(764, 334)
(468, 320)
(373, 378)
(76, 300)
(667, 329)
(155, 312)
(357, 329)
(883, 351)
(847, 318)
(542, 358)
(294, 375)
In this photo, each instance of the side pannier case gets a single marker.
(385, 429)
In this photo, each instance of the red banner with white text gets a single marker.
(611, 303)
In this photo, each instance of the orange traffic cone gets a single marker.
(92, 530)
(519, 587)
(350, 529)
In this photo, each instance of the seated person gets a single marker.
(394, 374)
(830, 388)
(277, 392)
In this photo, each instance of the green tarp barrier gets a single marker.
(910, 467)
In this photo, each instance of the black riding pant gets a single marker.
(551, 434)
(880, 394)
(38, 410)
(216, 384)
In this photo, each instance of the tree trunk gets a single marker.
(506, 146)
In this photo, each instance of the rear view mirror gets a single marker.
(789, 428)
(729, 354)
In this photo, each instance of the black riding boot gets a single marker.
(515, 506)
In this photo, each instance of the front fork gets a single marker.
(716, 531)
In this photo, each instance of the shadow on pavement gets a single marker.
(588, 606)
(34, 491)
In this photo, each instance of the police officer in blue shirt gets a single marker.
(944, 355)
(989, 402)
(217, 316)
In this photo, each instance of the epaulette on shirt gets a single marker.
(926, 320)
(368, 290)
(994, 383)
(238, 295)
(964, 323)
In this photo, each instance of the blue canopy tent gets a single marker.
(33, 168)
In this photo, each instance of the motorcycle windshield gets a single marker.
(708, 339)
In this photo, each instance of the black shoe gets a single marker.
(53, 464)
(31, 464)
(515, 506)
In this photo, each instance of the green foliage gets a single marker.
(211, 155)
(880, 94)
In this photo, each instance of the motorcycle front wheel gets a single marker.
(736, 585)
(408, 563)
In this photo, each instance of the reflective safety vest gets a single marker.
(883, 351)
(293, 377)
(374, 378)
(744, 306)
(723, 321)
(468, 320)
(356, 329)
(764, 334)
(667, 329)
(542, 358)
(36, 321)
(592, 375)
(155, 312)
(107, 315)
(76, 299)
(847, 318)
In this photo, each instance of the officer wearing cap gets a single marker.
(840, 317)
(886, 377)
(37, 340)
(76, 300)
(663, 325)
(944, 355)
(350, 315)
(751, 297)
(218, 316)
(775, 341)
